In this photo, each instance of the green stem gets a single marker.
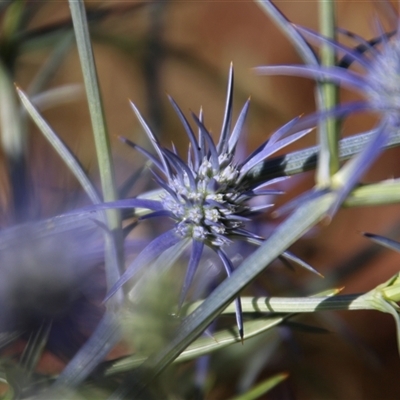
(295, 304)
(13, 142)
(386, 192)
(328, 162)
(94, 99)
(113, 242)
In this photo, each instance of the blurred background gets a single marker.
(145, 50)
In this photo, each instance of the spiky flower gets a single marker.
(379, 83)
(208, 195)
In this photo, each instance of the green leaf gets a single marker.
(272, 304)
(205, 345)
(263, 387)
(13, 132)
(97, 115)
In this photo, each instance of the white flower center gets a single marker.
(201, 211)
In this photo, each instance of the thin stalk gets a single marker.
(328, 161)
(306, 160)
(13, 129)
(386, 192)
(114, 246)
(13, 142)
(94, 99)
(58, 145)
(295, 304)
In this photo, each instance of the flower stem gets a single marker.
(113, 242)
(328, 161)
(295, 304)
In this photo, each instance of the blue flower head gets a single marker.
(380, 82)
(207, 196)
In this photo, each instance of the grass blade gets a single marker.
(263, 387)
(69, 159)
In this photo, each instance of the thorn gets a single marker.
(366, 234)
(241, 334)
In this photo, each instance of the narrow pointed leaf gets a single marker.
(226, 124)
(238, 305)
(152, 138)
(348, 78)
(290, 256)
(195, 256)
(144, 152)
(262, 388)
(238, 128)
(268, 150)
(153, 250)
(203, 345)
(181, 166)
(189, 132)
(210, 143)
(301, 46)
(384, 241)
(319, 39)
(69, 159)
(202, 144)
